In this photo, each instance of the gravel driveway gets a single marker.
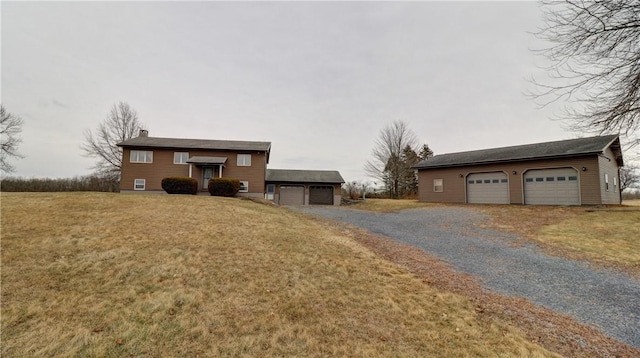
(607, 300)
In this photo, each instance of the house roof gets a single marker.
(184, 143)
(549, 150)
(304, 176)
(207, 160)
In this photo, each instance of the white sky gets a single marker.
(318, 80)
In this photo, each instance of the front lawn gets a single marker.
(112, 275)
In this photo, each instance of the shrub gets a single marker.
(223, 186)
(180, 185)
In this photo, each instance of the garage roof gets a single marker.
(304, 176)
(549, 150)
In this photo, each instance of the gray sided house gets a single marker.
(304, 187)
(582, 171)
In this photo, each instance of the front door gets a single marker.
(207, 173)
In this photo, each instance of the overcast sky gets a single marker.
(318, 80)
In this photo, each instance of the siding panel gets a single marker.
(608, 165)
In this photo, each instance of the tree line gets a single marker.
(80, 183)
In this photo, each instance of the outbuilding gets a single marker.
(583, 171)
(304, 187)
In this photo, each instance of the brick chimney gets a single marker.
(143, 133)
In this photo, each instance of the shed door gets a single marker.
(321, 195)
(291, 195)
(552, 187)
(488, 188)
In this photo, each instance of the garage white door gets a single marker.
(291, 195)
(551, 187)
(488, 188)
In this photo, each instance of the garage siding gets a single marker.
(608, 165)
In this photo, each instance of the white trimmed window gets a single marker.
(141, 156)
(606, 182)
(244, 160)
(615, 184)
(244, 187)
(437, 186)
(139, 184)
(180, 157)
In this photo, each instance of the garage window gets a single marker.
(529, 180)
(572, 178)
(437, 186)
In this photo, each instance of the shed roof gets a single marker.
(184, 143)
(548, 150)
(304, 176)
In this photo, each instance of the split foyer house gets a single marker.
(582, 171)
(147, 160)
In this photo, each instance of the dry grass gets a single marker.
(604, 235)
(633, 202)
(389, 205)
(89, 274)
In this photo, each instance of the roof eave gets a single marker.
(514, 160)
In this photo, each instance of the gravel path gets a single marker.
(607, 300)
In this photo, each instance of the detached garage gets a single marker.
(304, 187)
(583, 171)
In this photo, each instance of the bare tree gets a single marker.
(595, 63)
(10, 128)
(629, 177)
(387, 163)
(120, 124)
